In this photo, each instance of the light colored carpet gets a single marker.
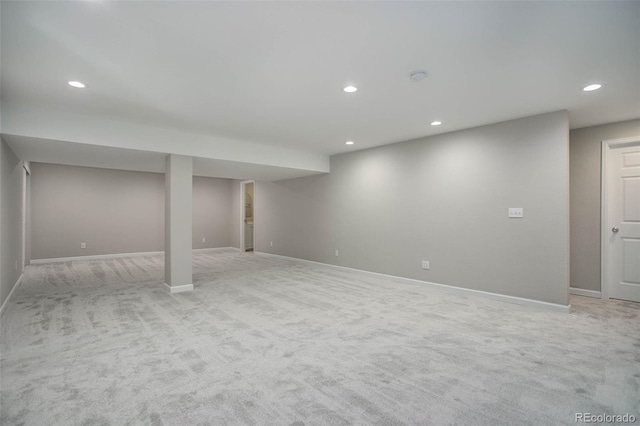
(270, 341)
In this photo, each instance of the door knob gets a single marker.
(615, 229)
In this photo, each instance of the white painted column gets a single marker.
(178, 223)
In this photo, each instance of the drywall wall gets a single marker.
(10, 220)
(212, 212)
(585, 156)
(115, 211)
(248, 202)
(236, 210)
(27, 259)
(443, 199)
(76, 127)
(178, 223)
(112, 211)
(295, 215)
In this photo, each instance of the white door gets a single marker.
(621, 227)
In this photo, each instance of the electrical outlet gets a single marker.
(516, 212)
(204, 240)
(425, 264)
(270, 243)
(337, 253)
(83, 245)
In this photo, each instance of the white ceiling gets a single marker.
(273, 72)
(107, 157)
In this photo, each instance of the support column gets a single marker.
(177, 223)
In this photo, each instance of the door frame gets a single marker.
(242, 212)
(26, 172)
(605, 252)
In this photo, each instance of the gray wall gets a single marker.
(10, 220)
(586, 153)
(115, 211)
(27, 259)
(212, 212)
(236, 211)
(442, 199)
(112, 211)
(295, 214)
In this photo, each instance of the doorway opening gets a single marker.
(247, 226)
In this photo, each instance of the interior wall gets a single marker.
(28, 223)
(212, 212)
(586, 159)
(10, 220)
(295, 215)
(443, 199)
(116, 211)
(236, 211)
(112, 211)
(248, 201)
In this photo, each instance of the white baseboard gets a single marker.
(94, 257)
(178, 288)
(494, 296)
(15, 286)
(216, 249)
(108, 256)
(582, 292)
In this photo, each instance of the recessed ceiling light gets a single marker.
(350, 89)
(77, 84)
(592, 87)
(417, 76)
(436, 123)
(349, 142)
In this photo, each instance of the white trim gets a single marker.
(216, 249)
(94, 257)
(15, 286)
(107, 256)
(583, 292)
(607, 145)
(494, 296)
(26, 166)
(178, 288)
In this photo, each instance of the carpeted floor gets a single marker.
(271, 341)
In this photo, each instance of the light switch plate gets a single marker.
(517, 212)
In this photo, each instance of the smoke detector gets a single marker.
(417, 76)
